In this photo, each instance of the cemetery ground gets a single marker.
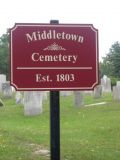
(87, 133)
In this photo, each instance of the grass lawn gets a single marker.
(87, 133)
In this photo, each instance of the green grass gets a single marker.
(87, 133)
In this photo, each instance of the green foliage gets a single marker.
(87, 133)
(4, 55)
(105, 68)
(114, 58)
(111, 63)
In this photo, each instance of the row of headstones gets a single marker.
(105, 83)
(32, 101)
(7, 90)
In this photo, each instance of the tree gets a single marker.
(104, 69)
(114, 58)
(111, 63)
(4, 54)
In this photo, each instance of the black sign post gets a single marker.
(55, 120)
(54, 125)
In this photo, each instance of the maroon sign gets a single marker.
(54, 57)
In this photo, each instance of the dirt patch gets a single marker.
(39, 150)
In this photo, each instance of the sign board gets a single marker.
(54, 56)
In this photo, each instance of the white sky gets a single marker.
(103, 14)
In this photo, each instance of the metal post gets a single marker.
(54, 125)
(54, 121)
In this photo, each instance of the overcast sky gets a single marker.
(103, 14)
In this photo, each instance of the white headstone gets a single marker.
(44, 95)
(6, 90)
(118, 83)
(116, 93)
(98, 91)
(18, 97)
(78, 98)
(2, 80)
(106, 84)
(32, 103)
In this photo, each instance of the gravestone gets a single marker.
(106, 84)
(32, 103)
(78, 98)
(6, 90)
(44, 95)
(116, 92)
(2, 80)
(18, 97)
(97, 91)
(118, 83)
(13, 89)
